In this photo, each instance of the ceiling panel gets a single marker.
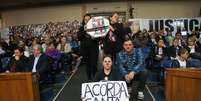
(14, 4)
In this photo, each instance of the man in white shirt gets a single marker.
(39, 62)
(181, 59)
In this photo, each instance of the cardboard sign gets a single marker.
(105, 91)
(97, 27)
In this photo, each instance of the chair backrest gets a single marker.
(194, 63)
(4, 62)
(167, 63)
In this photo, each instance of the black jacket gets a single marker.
(100, 75)
(114, 47)
(86, 40)
(42, 67)
(176, 64)
(20, 65)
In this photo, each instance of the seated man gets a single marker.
(183, 61)
(130, 64)
(39, 63)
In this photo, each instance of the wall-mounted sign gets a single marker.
(173, 25)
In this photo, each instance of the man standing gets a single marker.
(130, 64)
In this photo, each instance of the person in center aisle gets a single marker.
(108, 72)
(130, 65)
(112, 43)
(89, 48)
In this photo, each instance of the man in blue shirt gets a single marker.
(131, 67)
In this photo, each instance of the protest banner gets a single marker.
(171, 24)
(97, 27)
(105, 91)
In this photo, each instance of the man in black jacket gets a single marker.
(39, 63)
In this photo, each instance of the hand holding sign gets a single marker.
(131, 75)
(111, 28)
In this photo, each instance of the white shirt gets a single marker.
(182, 63)
(160, 51)
(192, 49)
(35, 63)
(180, 43)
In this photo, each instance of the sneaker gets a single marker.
(140, 95)
(129, 90)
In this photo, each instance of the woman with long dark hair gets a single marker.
(89, 48)
(108, 72)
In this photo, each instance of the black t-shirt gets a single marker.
(100, 75)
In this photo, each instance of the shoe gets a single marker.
(129, 90)
(140, 95)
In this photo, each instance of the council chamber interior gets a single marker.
(100, 50)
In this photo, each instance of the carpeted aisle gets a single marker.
(72, 90)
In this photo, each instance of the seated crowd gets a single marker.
(47, 55)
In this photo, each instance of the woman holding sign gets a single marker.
(89, 48)
(107, 72)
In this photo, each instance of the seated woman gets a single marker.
(54, 55)
(107, 72)
(173, 49)
(193, 48)
(18, 62)
(158, 53)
